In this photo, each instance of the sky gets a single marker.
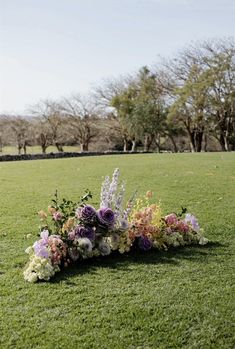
(53, 48)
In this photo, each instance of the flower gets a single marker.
(171, 219)
(113, 241)
(192, 220)
(149, 194)
(57, 216)
(203, 240)
(106, 216)
(42, 214)
(86, 213)
(73, 253)
(40, 246)
(104, 248)
(51, 210)
(84, 244)
(123, 224)
(182, 226)
(84, 232)
(144, 243)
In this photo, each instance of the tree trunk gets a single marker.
(192, 141)
(133, 145)
(147, 142)
(205, 143)
(158, 142)
(125, 143)
(175, 148)
(85, 146)
(59, 147)
(198, 140)
(44, 147)
(222, 142)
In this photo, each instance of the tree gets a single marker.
(105, 96)
(203, 91)
(22, 132)
(141, 109)
(51, 124)
(220, 74)
(81, 118)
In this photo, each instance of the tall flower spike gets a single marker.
(119, 200)
(128, 210)
(113, 187)
(104, 194)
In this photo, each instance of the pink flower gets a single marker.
(171, 219)
(182, 227)
(57, 216)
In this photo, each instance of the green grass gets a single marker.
(182, 298)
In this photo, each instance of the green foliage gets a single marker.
(140, 107)
(182, 298)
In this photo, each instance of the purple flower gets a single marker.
(144, 243)
(40, 248)
(106, 216)
(192, 220)
(84, 232)
(86, 213)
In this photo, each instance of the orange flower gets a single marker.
(149, 194)
(42, 214)
(51, 210)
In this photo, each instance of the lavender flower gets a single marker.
(106, 217)
(119, 200)
(40, 246)
(192, 220)
(113, 187)
(144, 243)
(86, 213)
(84, 232)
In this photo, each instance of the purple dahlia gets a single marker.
(84, 232)
(144, 243)
(86, 213)
(106, 217)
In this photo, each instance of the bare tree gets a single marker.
(81, 120)
(51, 125)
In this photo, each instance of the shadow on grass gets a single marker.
(199, 254)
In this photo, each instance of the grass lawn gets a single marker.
(183, 298)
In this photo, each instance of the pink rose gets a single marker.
(171, 219)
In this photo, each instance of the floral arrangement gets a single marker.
(71, 231)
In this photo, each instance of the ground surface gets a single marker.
(182, 298)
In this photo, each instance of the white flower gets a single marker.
(203, 241)
(104, 248)
(113, 241)
(29, 250)
(84, 244)
(31, 277)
